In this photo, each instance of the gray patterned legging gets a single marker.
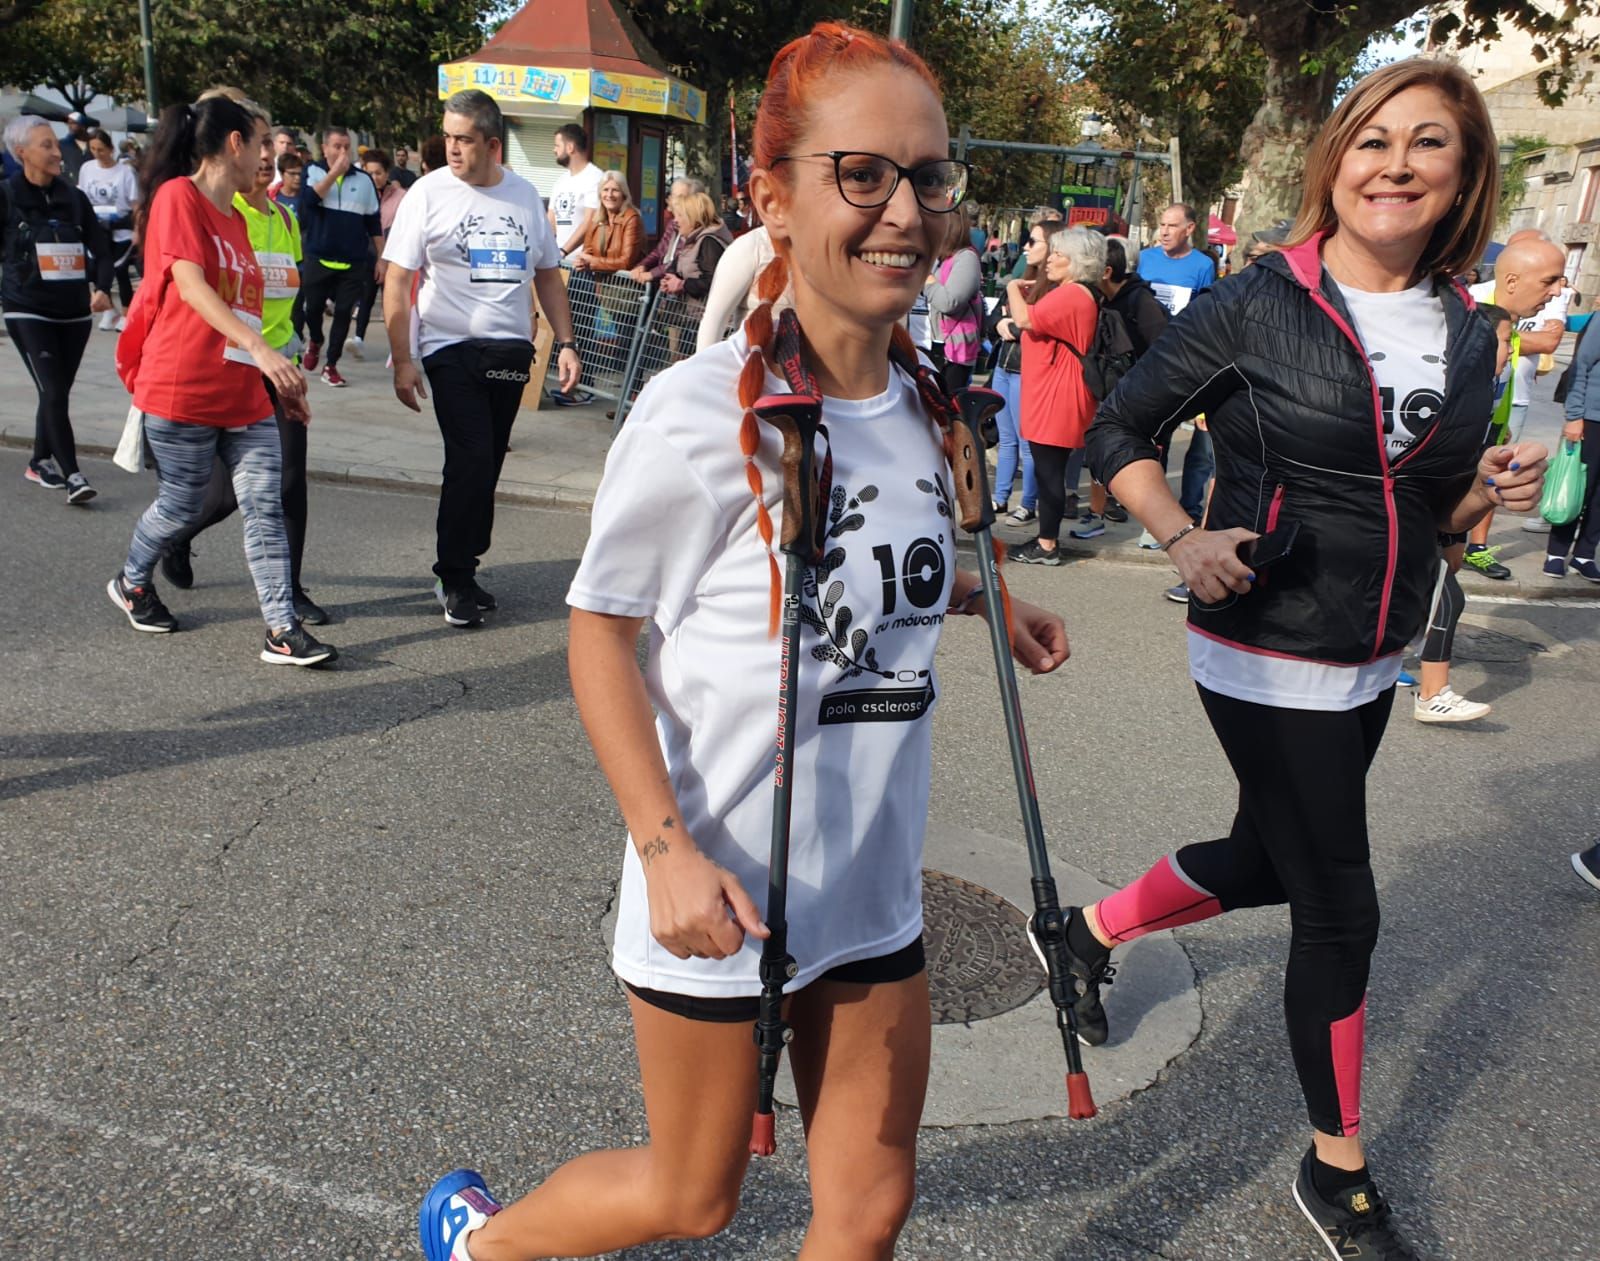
(183, 455)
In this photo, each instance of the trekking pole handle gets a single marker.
(797, 417)
(975, 432)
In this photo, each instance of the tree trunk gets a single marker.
(1278, 139)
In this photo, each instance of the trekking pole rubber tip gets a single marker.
(1080, 1103)
(763, 1138)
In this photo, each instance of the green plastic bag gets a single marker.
(1564, 486)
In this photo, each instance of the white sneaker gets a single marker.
(122, 323)
(1447, 706)
(1149, 542)
(1536, 525)
(354, 346)
(108, 321)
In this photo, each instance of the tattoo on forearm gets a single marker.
(653, 850)
(669, 822)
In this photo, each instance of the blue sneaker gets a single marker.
(1555, 566)
(1586, 569)
(1406, 679)
(458, 1204)
(1092, 526)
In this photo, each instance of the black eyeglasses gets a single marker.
(869, 180)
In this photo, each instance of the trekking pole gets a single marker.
(796, 417)
(976, 433)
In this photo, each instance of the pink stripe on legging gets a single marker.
(1347, 1040)
(1164, 897)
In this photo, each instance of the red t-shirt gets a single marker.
(188, 371)
(1056, 405)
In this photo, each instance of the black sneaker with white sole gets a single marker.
(142, 605)
(1587, 864)
(461, 607)
(1031, 553)
(177, 565)
(296, 647)
(1356, 1225)
(78, 489)
(1093, 1027)
(308, 610)
(486, 602)
(45, 473)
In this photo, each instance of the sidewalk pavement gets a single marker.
(362, 435)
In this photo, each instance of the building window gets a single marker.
(1586, 193)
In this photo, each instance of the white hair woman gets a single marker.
(49, 240)
(615, 239)
(1056, 403)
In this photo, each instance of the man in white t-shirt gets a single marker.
(478, 235)
(1529, 282)
(576, 195)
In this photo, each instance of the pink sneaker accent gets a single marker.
(1164, 897)
(1347, 1040)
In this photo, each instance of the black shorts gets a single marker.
(902, 965)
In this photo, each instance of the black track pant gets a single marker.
(221, 503)
(318, 284)
(1050, 471)
(1300, 837)
(52, 353)
(1582, 536)
(1448, 605)
(477, 388)
(123, 273)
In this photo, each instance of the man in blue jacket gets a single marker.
(341, 233)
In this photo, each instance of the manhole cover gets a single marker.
(979, 961)
(1474, 643)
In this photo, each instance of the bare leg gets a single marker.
(860, 1059)
(699, 1087)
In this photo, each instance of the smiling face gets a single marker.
(611, 197)
(858, 266)
(1402, 173)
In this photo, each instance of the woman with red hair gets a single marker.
(853, 181)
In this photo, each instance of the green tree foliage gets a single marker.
(363, 63)
(1191, 69)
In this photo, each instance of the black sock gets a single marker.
(1330, 1181)
(1081, 941)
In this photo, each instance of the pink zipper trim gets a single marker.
(1275, 508)
(1285, 656)
(1393, 558)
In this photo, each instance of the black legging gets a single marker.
(1300, 837)
(1448, 605)
(221, 503)
(1050, 471)
(52, 353)
(123, 273)
(1581, 535)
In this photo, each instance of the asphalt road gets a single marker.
(282, 946)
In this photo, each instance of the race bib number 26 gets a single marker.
(497, 258)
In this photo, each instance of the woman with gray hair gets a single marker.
(1057, 316)
(49, 236)
(615, 239)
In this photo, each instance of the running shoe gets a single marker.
(1149, 542)
(122, 324)
(1586, 569)
(331, 376)
(45, 473)
(177, 566)
(108, 321)
(1406, 679)
(1070, 512)
(486, 602)
(308, 610)
(1536, 525)
(356, 348)
(1093, 1027)
(296, 647)
(458, 1204)
(1356, 1225)
(311, 357)
(1587, 864)
(1178, 594)
(1022, 515)
(142, 605)
(1447, 706)
(78, 489)
(1116, 513)
(578, 398)
(1030, 553)
(461, 608)
(1483, 560)
(1091, 526)
(1555, 566)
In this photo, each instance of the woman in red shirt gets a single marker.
(1056, 405)
(204, 370)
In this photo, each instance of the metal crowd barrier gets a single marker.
(609, 313)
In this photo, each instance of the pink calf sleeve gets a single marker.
(1164, 897)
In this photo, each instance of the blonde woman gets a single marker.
(615, 239)
(703, 238)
